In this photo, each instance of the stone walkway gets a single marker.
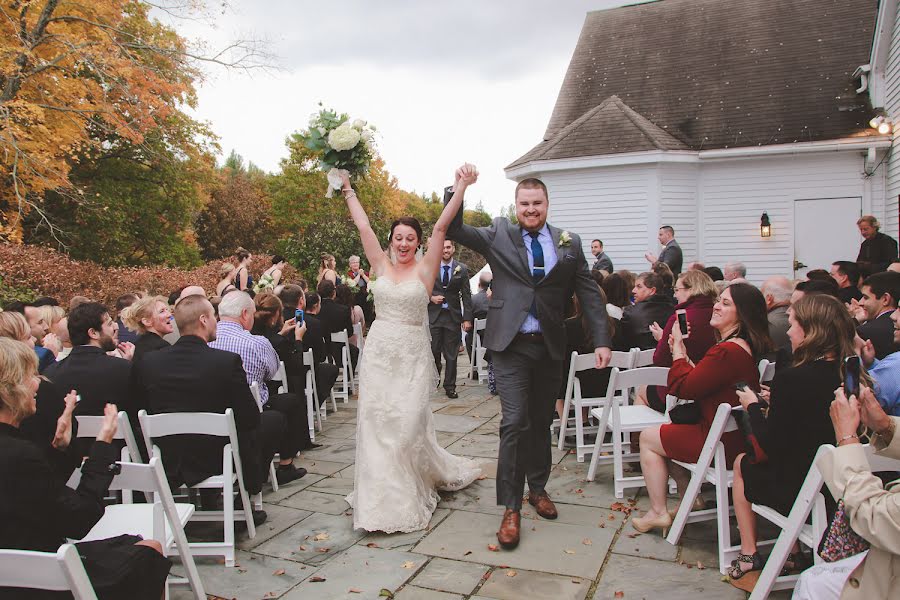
(308, 549)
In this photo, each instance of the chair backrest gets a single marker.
(643, 358)
(254, 390)
(89, 426)
(340, 337)
(358, 332)
(308, 359)
(280, 376)
(766, 371)
(480, 324)
(59, 571)
(180, 423)
(583, 362)
(625, 380)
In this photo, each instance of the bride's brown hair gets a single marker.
(409, 222)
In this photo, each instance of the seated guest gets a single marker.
(777, 291)
(286, 338)
(739, 318)
(872, 508)
(885, 372)
(814, 286)
(39, 511)
(236, 315)
(190, 376)
(894, 267)
(51, 427)
(735, 272)
(715, 273)
(668, 280)
(151, 318)
(696, 295)
(335, 317)
(615, 286)
(343, 296)
(46, 346)
(649, 307)
(846, 275)
(879, 299)
(125, 334)
(821, 335)
(61, 330)
(326, 372)
(291, 297)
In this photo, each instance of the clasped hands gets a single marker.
(465, 175)
(848, 413)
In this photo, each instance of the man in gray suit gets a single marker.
(671, 254)
(450, 307)
(536, 269)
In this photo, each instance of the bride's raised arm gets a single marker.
(466, 175)
(372, 248)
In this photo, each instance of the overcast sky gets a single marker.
(444, 82)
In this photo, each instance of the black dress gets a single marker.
(797, 424)
(38, 513)
(147, 342)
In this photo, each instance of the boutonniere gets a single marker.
(457, 269)
(565, 239)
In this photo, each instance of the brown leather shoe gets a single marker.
(508, 535)
(543, 504)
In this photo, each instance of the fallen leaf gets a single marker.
(587, 542)
(409, 565)
(511, 573)
(576, 581)
(619, 594)
(355, 591)
(569, 551)
(486, 576)
(386, 593)
(602, 525)
(579, 491)
(493, 548)
(633, 535)
(321, 537)
(302, 548)
(323, 550)
(700, 565)
(372, 545)
(279, 572)
(611, 517)
(468, 552)
(316, 579)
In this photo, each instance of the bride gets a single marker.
(399, 463)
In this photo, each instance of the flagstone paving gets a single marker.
(309, 550)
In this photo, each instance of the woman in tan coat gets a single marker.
(873, 509)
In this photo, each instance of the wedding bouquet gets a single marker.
(341, 144)
(266, 283)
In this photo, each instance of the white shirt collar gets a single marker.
(543, 231)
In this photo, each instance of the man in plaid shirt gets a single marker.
(236, 315)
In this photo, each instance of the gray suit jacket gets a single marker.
(457, 294)
(514, 289)
(672, 256)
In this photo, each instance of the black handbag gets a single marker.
(685, 412)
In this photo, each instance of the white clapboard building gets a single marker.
(705, 114)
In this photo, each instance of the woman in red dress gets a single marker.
(739, 318)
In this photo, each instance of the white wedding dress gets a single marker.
(399, 463)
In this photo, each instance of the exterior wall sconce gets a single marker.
(765, 226)
(882, 124)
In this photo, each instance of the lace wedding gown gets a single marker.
(399, 463)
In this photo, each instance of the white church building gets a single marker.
(706, 114)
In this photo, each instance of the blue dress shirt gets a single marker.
(531, 324)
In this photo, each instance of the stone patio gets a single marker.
(309, 550)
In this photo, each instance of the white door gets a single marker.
(824, 232)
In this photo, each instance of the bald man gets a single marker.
(777, 292)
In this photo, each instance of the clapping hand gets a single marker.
(126, 349)
(109, 426)
(857, 310)
(52, 343)
(63, 435)
(656, 331)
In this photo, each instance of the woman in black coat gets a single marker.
(151, 318)
(38, 512)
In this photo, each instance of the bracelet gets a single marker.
(848, 437)
(350, 190)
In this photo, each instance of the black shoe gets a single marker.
(288, 473)
(259, 517)
(452, 394)
(313, 445)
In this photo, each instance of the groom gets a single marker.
(536, 269)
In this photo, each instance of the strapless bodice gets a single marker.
(404, 303)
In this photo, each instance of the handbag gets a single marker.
(685, 412)
(840, 541)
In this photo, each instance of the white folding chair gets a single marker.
(766, 371)
(644, 358)
(58, 571)
(624, 420)
(344, 384)
(573, 397)
(273, 477)
(361, 344)
(477, 328)
(89, 426)
(162, 520)
(281, 378)
(216, 424)
(710, 468)
(313, 410)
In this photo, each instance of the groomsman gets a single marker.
(450, 307)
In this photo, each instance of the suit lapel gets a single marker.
(515, 234)
(555, 233)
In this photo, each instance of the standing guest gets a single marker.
(739, 318)
(777, 291)
(227, 272)
(821, 336)
(260, 361)
(603, 262)
(735, 271)
(671, 254)
(343, 295)
(450, 306)
(243, 281)
(885, 372)
(327, 272)
(696, 294)
(877, 250)
(151, 318)
(715, 273)
(276, 270)
(123, 302)
(873, 311)
(39, 512)
(650, 307)
(357, 276)
(846, 275)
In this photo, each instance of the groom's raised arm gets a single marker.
(477, 238)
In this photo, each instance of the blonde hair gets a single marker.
(871, 220)
(51, 314)
(18, 363)
(142, 308)
(14, 325)
(225, 270)
(698, 283)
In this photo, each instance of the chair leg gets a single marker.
(618, 469)
(228, 524)
(595, 457)
(563, 424)
(687, 502)
(579, 432)
(723, 514)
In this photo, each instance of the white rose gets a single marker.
(366, 135)
(359, 124)
(344, 137)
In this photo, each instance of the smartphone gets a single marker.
(743, 387)
(681, 314)
(851, 376)
(298, 316)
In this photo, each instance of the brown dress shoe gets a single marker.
(508, 535)
(543, 504)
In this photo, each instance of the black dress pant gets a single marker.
(445, 340)
(296, 434)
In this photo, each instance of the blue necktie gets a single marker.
(445, 280)
(537, 252)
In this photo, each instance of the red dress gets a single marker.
(709, 384)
